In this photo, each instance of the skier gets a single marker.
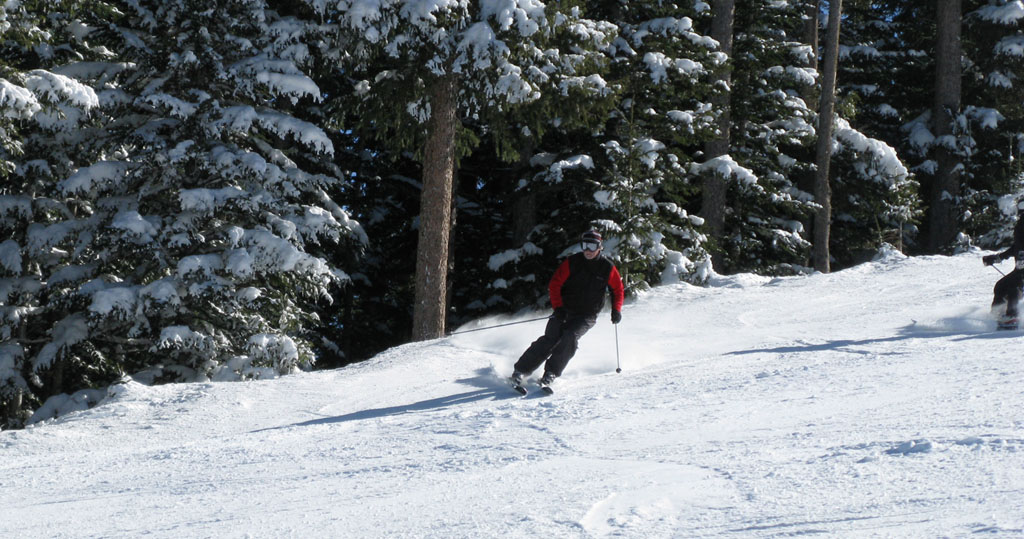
(577, 294)
(1007, 291)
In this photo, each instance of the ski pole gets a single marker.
(501, 325)
(618, 367)
(999, 270)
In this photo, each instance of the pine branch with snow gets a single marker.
(174, 233)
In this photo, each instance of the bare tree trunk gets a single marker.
(57, 378)
(810, 38)
(428, 318)
(715, 186)
(449, 292)
(811, 30)
(12, 416)
(524, 206)
(805, 177)
(524, 217)
(823, 151)
(346, 325)
(943, 220)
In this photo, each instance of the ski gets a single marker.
(1007, 325)
(520, 386)
(545, 384)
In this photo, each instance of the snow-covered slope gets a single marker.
(872, 401)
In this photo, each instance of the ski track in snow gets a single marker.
(876, 401)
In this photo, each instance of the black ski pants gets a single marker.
(1008, 292)
(556, 347)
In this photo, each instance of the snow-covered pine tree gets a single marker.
(480, 61)
(216, 133)
(769, 162)
(874, 197)
(529, 211)
(618, 164)
(660, 68)
(994, 118)
(184, 251)
(36, 103)
(879, 78)
(888, 53)
(882, 61)
(945, 188)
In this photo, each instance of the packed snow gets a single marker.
(874, 401)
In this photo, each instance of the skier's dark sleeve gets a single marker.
(617, 290)
(1018, 241)
(555, 286)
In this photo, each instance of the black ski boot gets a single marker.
(517, 382)
(546, 381)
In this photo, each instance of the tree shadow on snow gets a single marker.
(961, 328)
(489, 387)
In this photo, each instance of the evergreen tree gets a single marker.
(993, 119)
(35, 101)
(661, 67)
(454, 61)
(888, 52)
(184, 249)
(373, 312)
(874, 199)
(772, 127)
(624, 169)
(879, 80)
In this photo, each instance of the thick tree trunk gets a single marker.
(943, 221)
(524, 205)
(715, 186)
(428, 319)
(823, 152)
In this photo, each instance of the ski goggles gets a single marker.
(590, 245)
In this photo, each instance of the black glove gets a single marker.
(616, 316)
(988, 260)
(559, 314)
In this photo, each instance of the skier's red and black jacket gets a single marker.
(579, 285)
